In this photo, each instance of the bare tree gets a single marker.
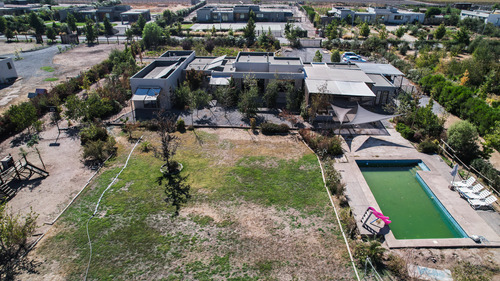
(169, 142)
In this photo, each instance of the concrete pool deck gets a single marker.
(395, 147)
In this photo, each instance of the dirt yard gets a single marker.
(158, 9)
(10, 48)
(64, 65)
(48, 197)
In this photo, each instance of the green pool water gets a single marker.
(402, 198)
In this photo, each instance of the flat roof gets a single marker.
(341, 88)
(380, 80)
(379, 68)
(135, 12)
(323, 72)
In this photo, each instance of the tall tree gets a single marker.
(22, 115)
(335, 57)
(141, 22)
(440, 32)
(364, 30)
(38, 25)
(249, 31)
(108, 27)
(90, 31)
(463, 138)
(169, 142)
(224, 97)
(248, 103)
(271, 93)
(71, 20)
(51, 34)
(3, 24)
(152, 35)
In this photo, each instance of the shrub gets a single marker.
(333, 178)
(323, 145)
(485, 168)
(93, 132)
(398, 266)
(253, 124)
(145, 146)
(181, 126)
(271, 129)
(428, 147)
(372, 249)
(405, 131)
(99, 150)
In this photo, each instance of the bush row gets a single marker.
(323, 145)
(273, 129)
(460, 100)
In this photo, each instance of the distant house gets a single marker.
(486, 16)
(8, 72)
(113, 13)
(387, 15)
(134, 15)
(241, 13)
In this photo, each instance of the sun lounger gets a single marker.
(478, 203)
(464, 183)
(477, 195)
(468, 189)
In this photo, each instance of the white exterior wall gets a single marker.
(5, 71)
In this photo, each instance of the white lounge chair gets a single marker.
(471, 189)
(477, 195)
(464, 183)
(478, 203)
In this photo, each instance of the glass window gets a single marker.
(398, 17)
(260, 15)
(9, 65)
(242, 16)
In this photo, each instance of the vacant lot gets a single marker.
(33, 68)
(259, 211)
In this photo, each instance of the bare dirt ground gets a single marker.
(159, 8)
(10, 48)
(67, 64)
(48, 197)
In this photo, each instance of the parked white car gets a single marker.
(353, 59)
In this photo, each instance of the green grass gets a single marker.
(134, 235)
(47, 68)
(186, 26)
(51, 79)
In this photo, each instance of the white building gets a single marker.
(387, 15)
(7, 70)
(486, 16)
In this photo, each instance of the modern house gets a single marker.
(387, 15)
(113, 13)
(366, 83)
(134, 15)
(486, 16)
(241, 13)
(8, 72)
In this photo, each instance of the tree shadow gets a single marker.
(372, 142)
(72, 132)
(20, 139)
(31, 184)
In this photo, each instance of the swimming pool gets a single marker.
(402, 195)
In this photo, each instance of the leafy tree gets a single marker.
(248, 103)
(432, 11)
(293, 97)
(181, 96)
(108, 27)
(38, 25)
(141, 22)
(400, 32)
(9, 34)
(335, 57)
(3, 24)
(129, 34)
(14, 233)
(249, 31)
(194, 79)
(209, 45)
(71, 20)
(364, 30)
(318, 57)
(22, 115)
(331, 31)
(198, 100)
(90, 31)
(293, 35)
(382, 34)
(462, 37)
(493, 137)
(224, 97)
(51, 34)
(371, 249)
(440, 32)
(271, 93)
(463, 138)
(152, 35)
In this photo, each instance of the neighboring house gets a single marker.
(8, 72)
(240, 13)
(133, 15)
(486, 16)
(387, 15)
(113, 13)
(367, 83)
(17, 10)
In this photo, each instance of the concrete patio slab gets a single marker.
(394, 147)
